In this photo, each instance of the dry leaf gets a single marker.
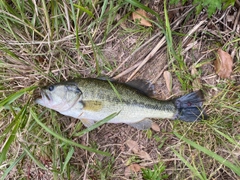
(223, 64)
(155, 127)
(168, 78)
(196, 84)
(133, 168)
(141, 15)
(133, 145)
(144, 155)
(193, 71)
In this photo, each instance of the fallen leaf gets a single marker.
(133, 146)
(155, 127)
(133, 168)
(41, 60)
(144, 155)
(168, 78)
(141, 16)
(196, 84)
(193, 71)
(223, 64)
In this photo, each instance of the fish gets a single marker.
(92, 99)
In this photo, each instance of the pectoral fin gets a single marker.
(142, 125)
(87, 122)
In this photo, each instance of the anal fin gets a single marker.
(87, 122)
(142, 125)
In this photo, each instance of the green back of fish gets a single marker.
(113, 93)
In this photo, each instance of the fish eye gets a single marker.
(78, 91)
(50, 88)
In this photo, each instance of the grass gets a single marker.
(47, 41)
(156, 173)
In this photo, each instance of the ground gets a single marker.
(39, 46)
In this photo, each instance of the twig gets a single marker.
(86, 170)
(161, 42)
(70, 37)
(236, 21)
(149, 56)
(127, 70)
(161, 72)
(138, 49)
(195, 28)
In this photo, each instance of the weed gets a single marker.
(102, 170)
(157, 173)
(210, 5)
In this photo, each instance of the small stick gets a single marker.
(159, 75)
(138, 49)
(195, 28)
(158, 46)
(127, 70)
(149, 56)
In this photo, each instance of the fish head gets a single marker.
(60, 97)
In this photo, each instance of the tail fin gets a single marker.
(190, 107)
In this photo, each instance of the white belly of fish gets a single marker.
(127, 114)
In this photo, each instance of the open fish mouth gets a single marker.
(40, 94)
(44, 95)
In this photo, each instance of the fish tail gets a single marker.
(189, 107)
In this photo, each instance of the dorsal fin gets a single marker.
(142, 86)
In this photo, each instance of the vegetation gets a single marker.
(211, 6)
(156, 173)
(42, 42)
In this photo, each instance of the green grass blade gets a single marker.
(9, 169)
(11, 98)
(168, 33)
(97, 124)
(7, 130)
(115, 91)
(12, 136)
(55, 159)
(89, 13)
(69, 155)
(104, 6)
(194, 170)
(230, 107)
(47, 18)
(38, 163)
(220, 159)
(141, 6)
(232, 141)
(67, 141)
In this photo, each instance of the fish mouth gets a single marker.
(40, 94)
(45, 95)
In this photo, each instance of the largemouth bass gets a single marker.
(92, 100)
